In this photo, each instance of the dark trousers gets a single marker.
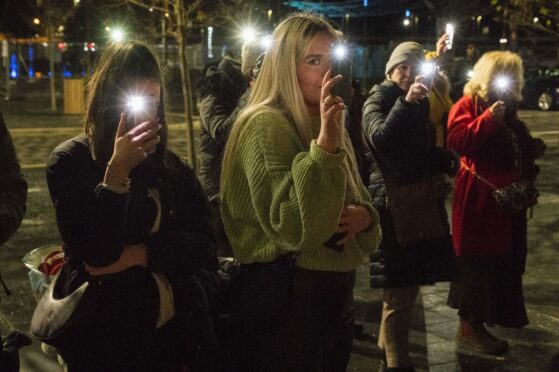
(321, 324)
(314, 334)
(125, 338)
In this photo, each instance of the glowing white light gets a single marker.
(210, 42)
(449, 30)
(406, 22)
(470, 74)
(136, 103)
(502, 83)
(248, 35)
(266, 42)
(503, 41)
(340, 51)
(117, 35)
(536, 19)
(428, 68)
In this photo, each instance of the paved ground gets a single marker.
(534, 348)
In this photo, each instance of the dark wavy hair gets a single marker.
(117, 71)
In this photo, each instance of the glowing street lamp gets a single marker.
(406, 22)
(117, 35)
(36, 21)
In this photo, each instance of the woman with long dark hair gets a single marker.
(133, 220)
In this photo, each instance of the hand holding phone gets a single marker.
(332, 242)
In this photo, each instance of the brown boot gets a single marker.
(474, 336)
(496, 339)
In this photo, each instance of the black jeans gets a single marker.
(321, 324)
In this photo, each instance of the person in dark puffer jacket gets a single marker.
(220, 93)
(396, 125)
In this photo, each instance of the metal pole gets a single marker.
(6, 58)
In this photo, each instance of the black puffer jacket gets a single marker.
(402, 138)
(13, 188)
(219, 92)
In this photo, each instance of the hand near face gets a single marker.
(442, 46)
(418, 90)
(132, 147)
(331, 108)
(497, 111)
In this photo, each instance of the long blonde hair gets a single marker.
(491, 66)
(277, 88)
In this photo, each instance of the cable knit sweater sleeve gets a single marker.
(295, 195)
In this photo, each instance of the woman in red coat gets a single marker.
(490, 242)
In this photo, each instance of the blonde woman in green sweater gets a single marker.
(289, 182)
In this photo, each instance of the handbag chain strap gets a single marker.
(465, 166)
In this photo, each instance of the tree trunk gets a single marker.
(52, 81)
(186, 89)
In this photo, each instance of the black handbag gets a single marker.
(61, 321)
(517, 196)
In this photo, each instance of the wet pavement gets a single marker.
(533, 348)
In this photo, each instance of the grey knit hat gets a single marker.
(409, 51)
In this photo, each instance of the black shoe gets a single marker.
(384, 368)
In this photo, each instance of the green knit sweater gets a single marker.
(283, 198)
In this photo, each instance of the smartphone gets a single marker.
(449, 30)
(341, 65)
(140, 109)
(331, 243)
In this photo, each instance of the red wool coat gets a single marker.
(479, 225)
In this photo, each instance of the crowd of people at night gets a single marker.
(251, 264)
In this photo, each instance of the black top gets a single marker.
(95, 223)
(13, 188)
(220, 92)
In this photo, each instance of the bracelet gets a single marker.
(117, 189)
(123, 183)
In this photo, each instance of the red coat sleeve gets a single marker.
(467, 131)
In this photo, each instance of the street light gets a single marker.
(117, 35)
(36, 21)
(406, 22)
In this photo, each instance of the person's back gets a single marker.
(13, 188)
(13, 195)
